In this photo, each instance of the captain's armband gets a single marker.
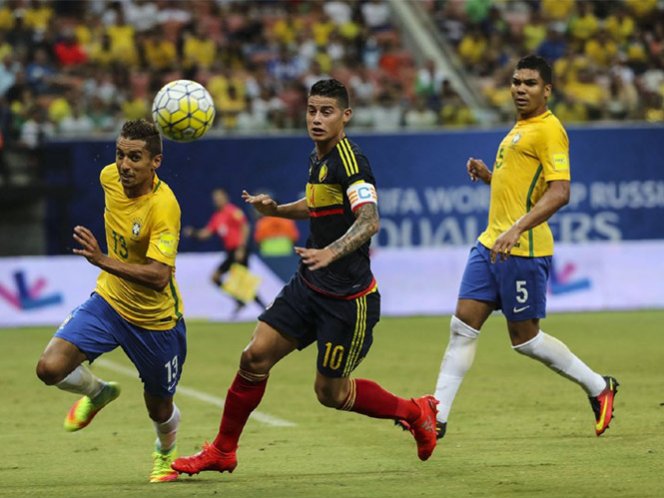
(360, 193)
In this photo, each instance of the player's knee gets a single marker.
(49, 371)
(328, 395)
(254, 362)
(160, 412)
(460, 328)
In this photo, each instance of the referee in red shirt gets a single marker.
(230, 224)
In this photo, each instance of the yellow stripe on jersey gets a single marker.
(353, 357)
(348, 157)
(320, 195)
(529, 206)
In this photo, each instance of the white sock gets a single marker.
(555, 355)
(458, 358)
(82, 381)
(167, 431)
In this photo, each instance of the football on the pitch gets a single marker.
(183, 110)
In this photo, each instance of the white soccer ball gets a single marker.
(183, 110)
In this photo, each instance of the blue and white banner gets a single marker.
(424, 195)
(594, 276)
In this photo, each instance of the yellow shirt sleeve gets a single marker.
(165, 236)
(553, 152)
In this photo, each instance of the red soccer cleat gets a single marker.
(209, 458)
(423, 428)
(602, 405)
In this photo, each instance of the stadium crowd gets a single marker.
(74, 68)
(607, 56)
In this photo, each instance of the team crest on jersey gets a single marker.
(136, 228)
(516, 138)
(322, 175)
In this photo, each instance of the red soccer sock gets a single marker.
(368, 398)
(243, 397)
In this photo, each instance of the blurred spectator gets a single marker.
(557, 10)
(69, 51)
(429, 80)
(588, 92)
(198, 50)
(472, 49)
(570, 111)
(231, 104)
(420, 117)
(601, 49)
(386, 112)
(620, 24)
(159, 53)
(554, 45)
(40, 71)
(77, 124)
(454, 112)
(141, 14)
(36, 130)
(585, 24)
(376, 14)
(7, 74)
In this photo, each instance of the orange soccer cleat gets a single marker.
(423, 428)
(602, 405)
(209, 458)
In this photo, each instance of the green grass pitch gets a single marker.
(516, 429)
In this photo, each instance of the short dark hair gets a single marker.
(539, 64)
(331, 88)
(142, 129)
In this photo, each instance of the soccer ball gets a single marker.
(183, 110)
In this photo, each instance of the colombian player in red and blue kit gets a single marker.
(332, 299)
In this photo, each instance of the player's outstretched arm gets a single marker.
(555, 197)
(154, 275)
(365, 226)
(267, 206)
(477, 170)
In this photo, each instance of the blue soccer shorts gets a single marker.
(342, 329)
(96, 328)
(517, 285)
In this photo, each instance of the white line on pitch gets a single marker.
(199, 395)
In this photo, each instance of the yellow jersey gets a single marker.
(534, 152)
(138, 229)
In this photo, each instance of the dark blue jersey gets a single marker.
(331, 216)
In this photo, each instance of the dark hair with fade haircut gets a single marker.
(332, 88)
(142, 129)
(539, 64)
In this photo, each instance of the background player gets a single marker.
(332, 300)
(232, 227)
(509, 266)
(136, 304)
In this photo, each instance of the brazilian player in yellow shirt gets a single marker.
(136, 304)
(508, 268)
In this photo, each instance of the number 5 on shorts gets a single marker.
(521, 291)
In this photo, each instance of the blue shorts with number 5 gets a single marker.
(96, 328)
(517, 285)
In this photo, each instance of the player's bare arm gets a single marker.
(197, 233)
(267, 206)
(477, 170)
(154, 275)
(366, 225)
(556, 196)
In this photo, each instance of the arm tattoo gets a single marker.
(365, 226)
